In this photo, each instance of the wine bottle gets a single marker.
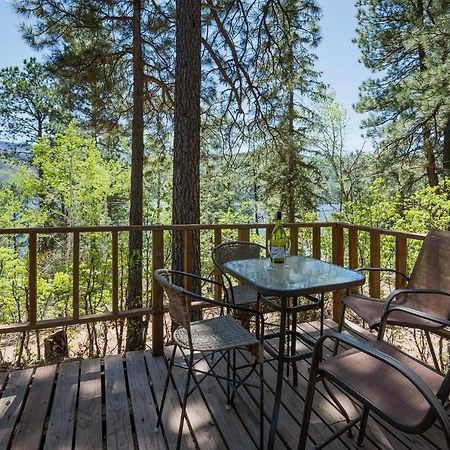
(278, 241)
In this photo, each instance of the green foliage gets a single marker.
(406, 44)
(427, 208)
(75, 182)
(29, 103)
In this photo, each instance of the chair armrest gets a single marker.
(379, 269)
(382, 269)
(252, 311)
(412, 377)
(390, 298)
(414, 312)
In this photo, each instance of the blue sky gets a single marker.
(338, 56)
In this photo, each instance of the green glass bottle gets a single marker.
(278, 242)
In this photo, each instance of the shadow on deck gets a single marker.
(95, 404)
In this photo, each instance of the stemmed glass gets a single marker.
(280, 253)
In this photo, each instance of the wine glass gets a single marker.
(278, 255)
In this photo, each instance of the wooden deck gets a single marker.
(95, 404)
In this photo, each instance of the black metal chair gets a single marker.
(221, 335)
(428, 291)
(387, 382)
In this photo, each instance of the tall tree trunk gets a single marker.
(186, 146)
(446, 149)
(426, 132)
(135, 335)
(291, 207)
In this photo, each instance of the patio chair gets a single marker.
(229, 251)
(428, 292)
(220, 335)
(400, 389)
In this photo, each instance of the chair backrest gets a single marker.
(432, 271)
(231, 250)
(178, 299)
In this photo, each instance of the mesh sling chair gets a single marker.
(401, 390)
(428, 292)
(222, 334)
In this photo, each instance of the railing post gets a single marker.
(157, 294)
(353, 248)
(316, 251)
(374, 277)
(32, 278)
(401, 256)
(293, 235)
(217, 276)
(187, 253)
(244, 234)
(338, 258)
(115, 271)
(76, 276)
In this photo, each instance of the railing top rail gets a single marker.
(159, 227)
(170, 227)
(386, 231)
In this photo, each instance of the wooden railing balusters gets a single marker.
(187, 252)
(353, 248)
(115, 271)
(316, 243)
(157, 294)
(32, 278)
(244, 234)
(374, 277)
(338, 258)
(217, 277)
(76, 276)
(401, 258)
(293, 234)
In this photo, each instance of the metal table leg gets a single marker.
(280, 368)
(294, 342)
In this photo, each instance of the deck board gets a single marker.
(172, 411)
(207, 434)
(144, 411)
(110, 405)
(12, 402)
(89, 435)
(29, 431)
(118, 424)
(61, 424)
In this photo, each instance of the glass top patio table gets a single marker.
(301, 276)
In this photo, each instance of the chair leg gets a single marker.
(261, 403)
(185, 397)
(166, 386)
(233, 368)
(362, 430)
(228, 405)
(433, 353)
(307, 413)
(339, 405)
(339, 329)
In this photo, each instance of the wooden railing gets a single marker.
(311, 238)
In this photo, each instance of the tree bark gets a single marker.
(135, 334)
(426, 132)
(186, 146)
(446, 149)
(291, 206)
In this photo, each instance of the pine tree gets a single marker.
(402, 41)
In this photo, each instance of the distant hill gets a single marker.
(12, 156)
(20, 152)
